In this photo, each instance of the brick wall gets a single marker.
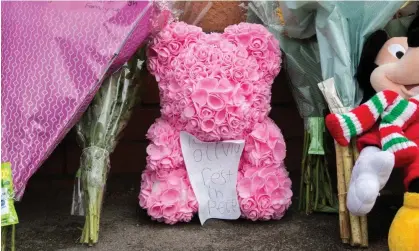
(129, 156)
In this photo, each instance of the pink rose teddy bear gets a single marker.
(215, 87)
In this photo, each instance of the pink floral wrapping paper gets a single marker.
(54, 58)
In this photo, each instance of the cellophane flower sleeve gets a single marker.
(296, 32)
(98, 132)
(298, 42)
(55, 56)
(341, 30)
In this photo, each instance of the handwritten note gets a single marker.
(212, 169)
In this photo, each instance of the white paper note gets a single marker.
(212, 169)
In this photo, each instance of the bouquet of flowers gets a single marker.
(302, 63)
(98, 132)
(65, 50)
(100, 128)
(340, 29)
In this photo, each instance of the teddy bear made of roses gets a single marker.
(216, 87)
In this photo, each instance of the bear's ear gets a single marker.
(413, 33)
(367, 64)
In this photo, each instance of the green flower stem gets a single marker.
(331, 199)
(308, 186)
(13, 237)
(316, 191)
(303, 165)
(5, 231)
(317, 182)
(3, 238)
(90, 234)
(95, 165)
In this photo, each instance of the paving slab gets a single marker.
(46, 224)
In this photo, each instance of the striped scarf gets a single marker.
(396, 114)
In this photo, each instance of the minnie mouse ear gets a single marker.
(367, 64)
(413, 33)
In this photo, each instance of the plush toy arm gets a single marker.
(359, 120)
(394, 119)
(402, 112)
(398, 116)
(415, 116)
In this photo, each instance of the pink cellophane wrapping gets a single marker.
(54, 58)
(216, 87)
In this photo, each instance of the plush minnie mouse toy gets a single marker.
(387, 124)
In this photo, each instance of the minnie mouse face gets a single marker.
(390, 63)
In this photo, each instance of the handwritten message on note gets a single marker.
(212, 169)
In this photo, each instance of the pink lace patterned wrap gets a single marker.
(216, 87)
(54, 58)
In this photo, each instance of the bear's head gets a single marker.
(215, 86)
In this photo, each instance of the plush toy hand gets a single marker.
(404, 230)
